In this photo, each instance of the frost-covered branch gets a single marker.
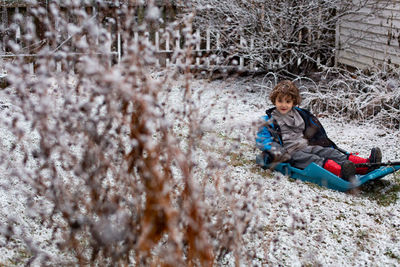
(107, 165)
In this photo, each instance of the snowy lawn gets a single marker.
(304, 223)
(294, 223)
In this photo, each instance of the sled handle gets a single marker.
(378, 164)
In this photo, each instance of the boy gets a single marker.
(294, 135)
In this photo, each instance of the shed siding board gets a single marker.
(367, 39)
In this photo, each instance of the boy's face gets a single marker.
(284, 103)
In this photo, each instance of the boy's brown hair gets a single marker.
(287, 88)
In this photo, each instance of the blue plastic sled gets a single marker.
(318, 175)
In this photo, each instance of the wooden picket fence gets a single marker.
(206, 49)
(206, 52)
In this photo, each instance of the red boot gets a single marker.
(346, 171)
(356, 160)
(374, 157)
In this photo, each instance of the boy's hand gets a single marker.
(282, 157)
(280, 154)
(285, 157)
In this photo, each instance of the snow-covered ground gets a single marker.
(306, 224)
(295, 223)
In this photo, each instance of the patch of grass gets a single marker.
(384, 192)
(269, 229)
(362, 234)
(237, 160)
(337, 236)
(341, 217)
(21, 256)
(260, 171)
(392, 255)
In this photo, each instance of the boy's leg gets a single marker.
(339, 157)
(328, 158)
(330, 153)
(317, 154)
(304, 157)
(374, 157)
(346, 170)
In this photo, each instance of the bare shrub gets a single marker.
(104, 161)
(357, 95)
(290, 37)
(354, 95)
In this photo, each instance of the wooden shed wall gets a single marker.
(370, 37)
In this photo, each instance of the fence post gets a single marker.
(218, 46)
(18, 30)
(31, 68)
(136, 37)
(242, 45)
(109, 45)
(198, 41)
(157, 41)
(167, 50)
(157, 46)
(252, 66)
(4, 24)
(119, 46)
(178, 40)
(208, 46)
